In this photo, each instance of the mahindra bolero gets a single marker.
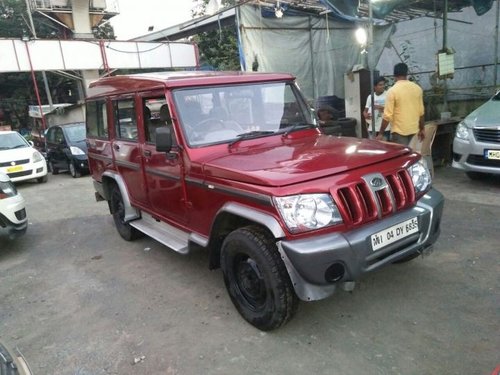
(235, 163)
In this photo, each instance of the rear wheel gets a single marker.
(53, 169)
(126, 231)
(256, 278)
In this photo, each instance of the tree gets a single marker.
(218, 48)
(17, 91)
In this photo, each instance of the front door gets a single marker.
(163, 172)
(127, 150)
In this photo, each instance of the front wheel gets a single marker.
(256, 278)
(75, 173)
(126, 231)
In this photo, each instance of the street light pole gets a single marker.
(370, 62)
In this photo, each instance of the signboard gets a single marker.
(446, 64)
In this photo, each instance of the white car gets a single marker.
(476, 147)
(19, 160)
(13, 219)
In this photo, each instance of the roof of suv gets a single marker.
(149, 81)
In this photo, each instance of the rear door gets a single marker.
(55, 147)
(99, 147)
(127, 148)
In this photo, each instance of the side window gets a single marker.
(97, 119)
(50, 135)
(125, 120)
(156, 114)
(59, 135)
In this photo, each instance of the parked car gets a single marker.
(66, 149)
(237, 165)
(13, 220)
(12, 362)
(19, 160)
(476, 146)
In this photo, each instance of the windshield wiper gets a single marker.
(18, 146)
(250, 135)
(298, 126)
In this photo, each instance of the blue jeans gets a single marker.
(401, 139)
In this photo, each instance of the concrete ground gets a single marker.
(77, 299)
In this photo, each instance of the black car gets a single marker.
(66, 149)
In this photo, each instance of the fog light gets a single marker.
(335, 272)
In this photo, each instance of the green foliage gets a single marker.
(218, 48)
(16, 89)
(104, 31)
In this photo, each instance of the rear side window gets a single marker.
(125, 119)
(97, 119)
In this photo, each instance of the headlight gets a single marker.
(37, 157)
(420, 176)
(76, 150)
(307, 212)
(7, 189)
(462, 131)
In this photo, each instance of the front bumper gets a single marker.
(13, 220)
(29, 171)
(469, 156)
(81, 163)
(308, 260)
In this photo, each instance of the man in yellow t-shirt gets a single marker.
(404, 108)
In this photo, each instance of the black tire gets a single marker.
(43, 179)
(126, 231)
(9, 364)
(256, 278)
(54, 170)
(73, 171)
(476, 176)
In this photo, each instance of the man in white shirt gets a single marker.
(379, 102)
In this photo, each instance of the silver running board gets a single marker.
(162, 232)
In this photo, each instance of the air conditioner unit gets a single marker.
(59, 3)
(98, 4)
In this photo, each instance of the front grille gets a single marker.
(16, 162)
(21, 214)
(359, 203)
(20, 174)
(482, 161)
(487, 135)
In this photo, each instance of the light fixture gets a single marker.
(278, 10)
(362, 38)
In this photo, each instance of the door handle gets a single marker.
(147, 153)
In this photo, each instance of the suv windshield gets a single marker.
(222, 114)
(9, 141)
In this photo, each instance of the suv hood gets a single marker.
(293, 161)
(486, 115)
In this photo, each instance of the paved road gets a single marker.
(77, 299)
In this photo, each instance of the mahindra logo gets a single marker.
(12, 163)
(376, 182)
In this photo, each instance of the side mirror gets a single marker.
(163, 139)
(31, 143)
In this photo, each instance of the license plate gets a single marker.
(15, 168)
(395, 233)
(492, 154)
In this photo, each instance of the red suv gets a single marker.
(236, 163)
